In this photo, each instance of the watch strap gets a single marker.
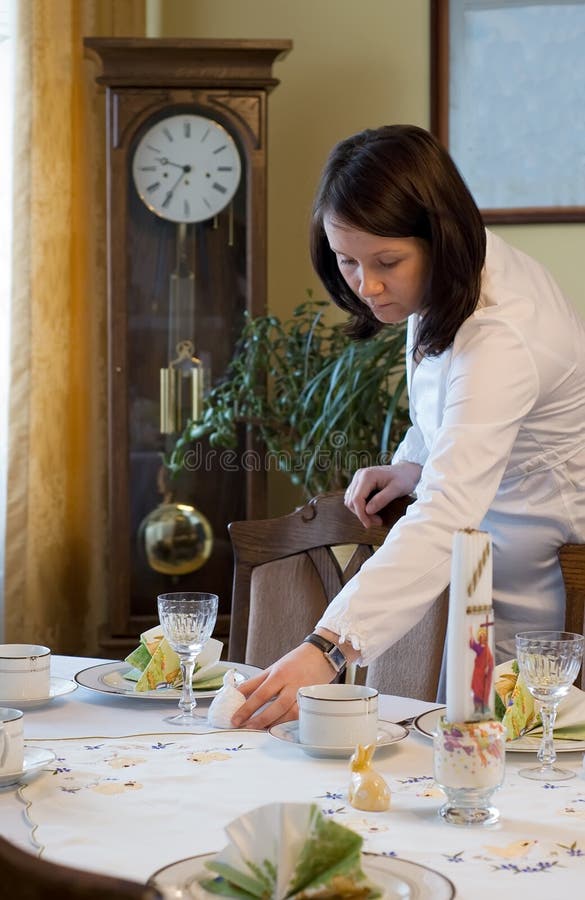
(331, 651)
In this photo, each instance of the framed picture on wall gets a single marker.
(508, 100)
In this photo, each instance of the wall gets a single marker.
(342, 75)
(352, 66)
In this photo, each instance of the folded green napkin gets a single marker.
(154, 662)
(289, 850)
(519, 711)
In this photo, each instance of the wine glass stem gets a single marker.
(187, 702)
(546, 753)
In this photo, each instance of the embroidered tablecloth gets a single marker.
(126, 796)
(131, 805)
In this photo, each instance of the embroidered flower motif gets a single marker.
(572, 849)
(124, 762)
(204, 757)
(116, 787)
(415, 779)
(513, 850)
(575, 813)
(454, 857)
(542, 866)
(432, 792)
(364, 826)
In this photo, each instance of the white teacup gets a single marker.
(25, 672)
(337, 715)
(11, 740)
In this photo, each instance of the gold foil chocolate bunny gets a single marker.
(367, 789)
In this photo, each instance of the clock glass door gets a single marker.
(185, 307)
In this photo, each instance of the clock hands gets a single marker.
(169, 194)
(167, 162)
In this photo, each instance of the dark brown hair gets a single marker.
(398, 181)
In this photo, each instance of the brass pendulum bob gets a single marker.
(177, 538)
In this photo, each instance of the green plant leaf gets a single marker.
(317, 399)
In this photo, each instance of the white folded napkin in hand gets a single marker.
(226, 702)
(289, 850)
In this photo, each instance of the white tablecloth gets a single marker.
(128, 794)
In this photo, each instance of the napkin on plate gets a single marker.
(289, 850)
(155, 662)
(521, 716)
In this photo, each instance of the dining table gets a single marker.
(114, 788)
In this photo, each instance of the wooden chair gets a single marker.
(27, 877)
(287, 571)
(572, 560)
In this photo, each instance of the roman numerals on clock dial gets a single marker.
(186, 168)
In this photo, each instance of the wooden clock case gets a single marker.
(147, 79)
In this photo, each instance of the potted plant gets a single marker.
(322, 403)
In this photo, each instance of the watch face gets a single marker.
(186, 168)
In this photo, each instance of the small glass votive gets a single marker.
(469, 763)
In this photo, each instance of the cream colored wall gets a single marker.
(353, 65)
(559, 247)
(347, 70)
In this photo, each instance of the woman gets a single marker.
(496, 377)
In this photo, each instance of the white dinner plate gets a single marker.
(35, 759)
(388, 733)
(399, 878)
(108, 678)
(58, 687)
(426, 724)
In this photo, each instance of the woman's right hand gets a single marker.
(381, 484)
(271, 696)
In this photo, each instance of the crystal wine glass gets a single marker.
(187, 620)
(549, 662)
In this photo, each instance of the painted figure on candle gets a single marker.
(483, 670)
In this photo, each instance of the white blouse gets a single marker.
(498, 425)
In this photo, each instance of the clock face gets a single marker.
(186, 168)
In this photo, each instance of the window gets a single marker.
(508, 101)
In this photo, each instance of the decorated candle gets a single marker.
(470, 629)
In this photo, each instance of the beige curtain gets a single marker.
(56, 505)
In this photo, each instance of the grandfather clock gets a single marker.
(186, 234)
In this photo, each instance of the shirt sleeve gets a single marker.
(491, 386)
(412, 448)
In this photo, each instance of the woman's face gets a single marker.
(390, 275)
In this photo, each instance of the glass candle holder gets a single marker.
(469, 764)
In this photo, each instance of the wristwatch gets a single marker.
(331, 651)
